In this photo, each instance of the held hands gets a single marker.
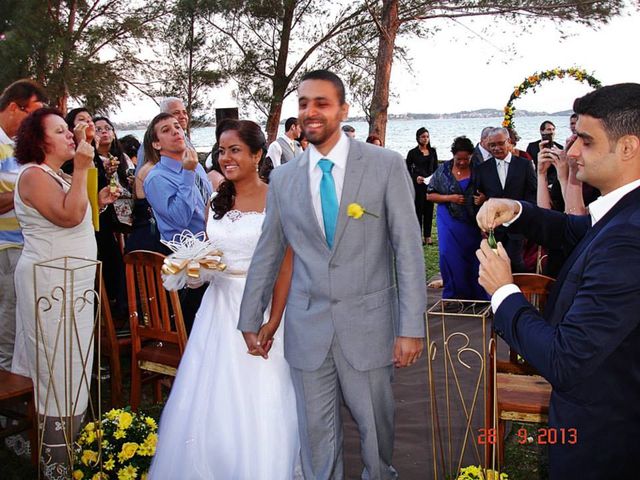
(495, 212)
(407, 351)
(190, 159)
(495, 267)
(83, 158)
(255, 346)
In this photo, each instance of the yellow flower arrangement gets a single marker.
(473, 472)
(533, 81)
(125, 447)
(355, 210)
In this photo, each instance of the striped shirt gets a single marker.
(10, 233)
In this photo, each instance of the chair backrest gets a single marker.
(534, 287)
(154, 313)
(108, 330)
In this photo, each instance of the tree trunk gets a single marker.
(380, 99)
(280, 78)
(275, 110)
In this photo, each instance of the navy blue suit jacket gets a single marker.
(521, 183)
(587, 345)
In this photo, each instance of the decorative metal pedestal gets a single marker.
(67, 323)
(458, 339)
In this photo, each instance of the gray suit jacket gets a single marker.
(368, 288)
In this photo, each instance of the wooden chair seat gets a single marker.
(13, 385)
(19, 388)
(160, 358)
(523, 398)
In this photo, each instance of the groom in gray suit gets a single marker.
(357, 296)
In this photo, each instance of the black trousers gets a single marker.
(190, 299)
(424, 210)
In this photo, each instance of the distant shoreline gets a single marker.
(480, 113)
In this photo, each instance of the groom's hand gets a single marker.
(253, 345)
(407, 351)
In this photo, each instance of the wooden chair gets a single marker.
(158, 335)
(113, 344)
(521, 394)
(16, 388)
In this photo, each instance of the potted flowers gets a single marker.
(120, 446)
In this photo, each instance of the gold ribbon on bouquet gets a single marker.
(210, 261)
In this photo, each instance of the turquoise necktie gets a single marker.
(328, 200)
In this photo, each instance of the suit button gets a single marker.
(333, 265)
(335, 301)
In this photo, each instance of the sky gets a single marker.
(464, 67)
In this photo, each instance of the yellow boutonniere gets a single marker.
(356, 211)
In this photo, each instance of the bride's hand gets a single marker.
(266, 333)
(254, 345)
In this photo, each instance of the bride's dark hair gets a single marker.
(251, 134)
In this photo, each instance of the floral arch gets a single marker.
(536, 79)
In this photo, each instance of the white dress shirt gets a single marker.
(275, 151)
(597, 209)
(503, 168)
(338, 155)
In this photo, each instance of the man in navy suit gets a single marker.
(587, 344)
(506, 176)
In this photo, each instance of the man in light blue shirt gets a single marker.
(178, 193)
(177, 189)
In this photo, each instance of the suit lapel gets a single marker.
(631, 198)
(303, 187)
(352, 179)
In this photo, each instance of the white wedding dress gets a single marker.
(230, 415)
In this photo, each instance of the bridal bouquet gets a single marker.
(194, 261)
(120, 446)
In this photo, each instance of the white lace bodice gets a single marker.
(236, 235)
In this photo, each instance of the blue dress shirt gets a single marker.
(177, 202)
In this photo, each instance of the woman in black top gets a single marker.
(422, 161)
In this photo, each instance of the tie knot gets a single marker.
(325, 165)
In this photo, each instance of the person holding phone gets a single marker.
(547, 134)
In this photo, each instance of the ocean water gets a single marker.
(401, 133)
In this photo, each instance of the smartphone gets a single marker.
(547, 138)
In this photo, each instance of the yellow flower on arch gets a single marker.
(77, 475)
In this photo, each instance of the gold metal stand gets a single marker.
(457, 357)
(64, 295)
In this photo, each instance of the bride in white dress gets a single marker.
(232, 415)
